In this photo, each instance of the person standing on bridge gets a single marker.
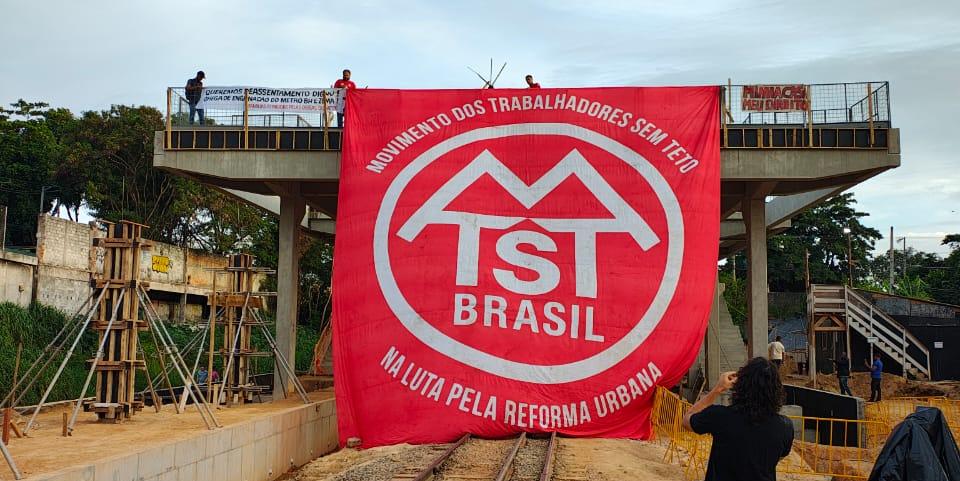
(775, 351)
(530, 83)
(876, 377)
(749, 436)
(194, 91)
(346, 84)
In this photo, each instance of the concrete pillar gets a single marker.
(711, 343)
(754, 216)
(288, 282)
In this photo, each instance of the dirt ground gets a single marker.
(891, 387)
(45, 450)
(577, 459)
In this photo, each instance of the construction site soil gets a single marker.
(45, 449)
(577, 459)
(892, 386)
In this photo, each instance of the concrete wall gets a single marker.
(65, 259)
(16, 278)
(258, 450)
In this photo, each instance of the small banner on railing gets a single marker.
(775, 98)
(272, 99)
(516, 260)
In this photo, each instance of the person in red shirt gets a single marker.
(343, 83)
(530, 83)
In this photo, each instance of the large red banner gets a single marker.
(521, 260)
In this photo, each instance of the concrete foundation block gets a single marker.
(248, 463)
(262, 461)
(326, 407)
(123, 469)
(218, 442)
(221, 465)
(272, 446)
(241, 435)
(188, 473)
(234, 465)
(204, 469)
(156, 461)
(85, 473)
(189, 451)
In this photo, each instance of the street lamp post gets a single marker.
(847, 231)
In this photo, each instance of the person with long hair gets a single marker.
(749, 436)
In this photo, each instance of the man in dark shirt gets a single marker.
(876, 377)
(749, 436)
(346, 84)
(194, 93)
(530, 83)
(843, 373)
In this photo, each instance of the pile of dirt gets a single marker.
(892, 386)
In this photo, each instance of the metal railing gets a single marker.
(840, 103)
(246, 128)
(839, 116)
(842, 448)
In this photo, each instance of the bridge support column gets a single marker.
(754, 216)
(292, 208)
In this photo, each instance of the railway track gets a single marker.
(472, 459)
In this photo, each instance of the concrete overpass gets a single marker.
(772, 168)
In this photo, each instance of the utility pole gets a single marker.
(43, 191)
(3, 230)
(904, 239)
(890, 288)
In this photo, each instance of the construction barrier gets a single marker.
(839, 448)
(892, 411)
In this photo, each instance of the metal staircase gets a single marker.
(844, 305)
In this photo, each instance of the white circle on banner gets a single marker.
(534, 373)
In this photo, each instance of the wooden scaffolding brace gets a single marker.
(113, 309)
(236, 310)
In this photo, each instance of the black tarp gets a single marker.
(921, 448)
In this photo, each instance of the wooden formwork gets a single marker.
(234, 310)
(117, 370)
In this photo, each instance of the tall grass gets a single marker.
(36, 326)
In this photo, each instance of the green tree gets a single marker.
(818, 231)
(28, 155)
(944, 282)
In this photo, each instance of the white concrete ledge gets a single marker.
(261, 449)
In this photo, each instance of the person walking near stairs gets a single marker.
(843, 373)
(876, 376)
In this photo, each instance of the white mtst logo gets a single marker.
(624, 220)
(584, 230)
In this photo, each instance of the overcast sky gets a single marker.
(89, 54)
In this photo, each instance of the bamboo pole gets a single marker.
(213, 335)
(63, 364)
(326, 124)
(169, 118)
(246, 120)
(870, 111)
(96, 361)
(809, 117)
